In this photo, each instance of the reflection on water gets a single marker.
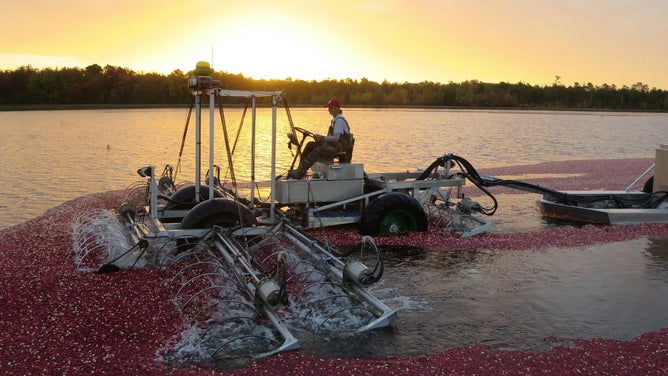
(52, 156)
(658, 254)
(515, 300)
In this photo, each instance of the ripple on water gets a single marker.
(517, 299)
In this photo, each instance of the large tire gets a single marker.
(221, 212)
(184, 198)
(393, 213)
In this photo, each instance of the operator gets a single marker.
(325, 147)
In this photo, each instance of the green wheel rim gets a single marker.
(397, 221)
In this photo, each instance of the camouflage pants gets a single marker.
(315, 151)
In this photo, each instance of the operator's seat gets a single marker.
(345, 153)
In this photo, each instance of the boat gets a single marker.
(606, 207)
(627, 207)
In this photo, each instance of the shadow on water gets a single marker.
(512, 300)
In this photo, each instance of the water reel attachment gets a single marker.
(356, 272)
(100, 239)
(269, 291)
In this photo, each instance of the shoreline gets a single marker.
(65, 107)
(54, 320)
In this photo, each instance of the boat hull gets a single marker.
(550, 207)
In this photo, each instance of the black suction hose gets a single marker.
(378, 270)
(650, 200)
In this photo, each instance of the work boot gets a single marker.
(296, 174)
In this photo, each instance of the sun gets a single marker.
(271, 53)
(270, 45)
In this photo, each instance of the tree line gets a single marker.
(95, 85)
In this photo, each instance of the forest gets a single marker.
(97, 86)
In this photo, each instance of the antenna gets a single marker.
(212, 55)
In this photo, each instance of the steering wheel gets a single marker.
(305, 132)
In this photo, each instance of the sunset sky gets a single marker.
(618, 42)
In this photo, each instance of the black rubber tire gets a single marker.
(221, 212)
(649, 185)
(393, 213)
(184, 198)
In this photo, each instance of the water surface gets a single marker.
(446, 298)
(52, 156)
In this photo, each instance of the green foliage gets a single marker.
(110, 85)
